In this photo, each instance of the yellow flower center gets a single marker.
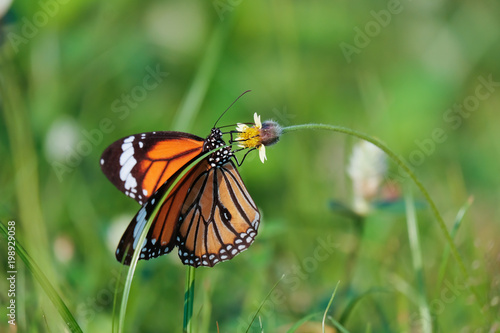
(249, 138)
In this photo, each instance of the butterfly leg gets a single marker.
(244, 156)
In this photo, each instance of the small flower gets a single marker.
(367, 168)
(64, 248)
(62, 139)
(258, 136)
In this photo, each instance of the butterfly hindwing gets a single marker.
(151, 247)
(138, 165)
(161, 237)
(219, 218)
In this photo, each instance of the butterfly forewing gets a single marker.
(138, 165)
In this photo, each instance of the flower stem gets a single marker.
(188, 299)
(405, 167)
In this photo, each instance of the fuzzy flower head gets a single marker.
(258, 136)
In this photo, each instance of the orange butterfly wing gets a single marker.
(219, 218)
(209, 214)
(138, 165)
(161, 237)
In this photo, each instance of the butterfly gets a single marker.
(209, 214)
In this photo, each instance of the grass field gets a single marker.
(421, 77)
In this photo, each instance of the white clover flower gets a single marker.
(367, 168)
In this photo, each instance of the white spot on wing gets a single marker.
(126, 146)
(130, 182)
(141, 222)
(127, 161)
(126, 155)
(127, 168)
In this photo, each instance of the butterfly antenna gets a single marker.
(230, 106)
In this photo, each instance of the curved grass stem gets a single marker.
(406, 168)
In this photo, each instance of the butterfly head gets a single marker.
(214, 141)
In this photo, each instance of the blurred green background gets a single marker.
(73, 80)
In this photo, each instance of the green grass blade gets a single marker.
(328, 307)
(338, 325)
(45, 284)
(416, 254)
(454, 230)
(352, 304)
(262, 303)
(302, 321)
(116, 300)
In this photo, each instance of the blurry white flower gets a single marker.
(62, 136)
(162, 20)
(64, 248)
(4, 7)
(366, 168)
